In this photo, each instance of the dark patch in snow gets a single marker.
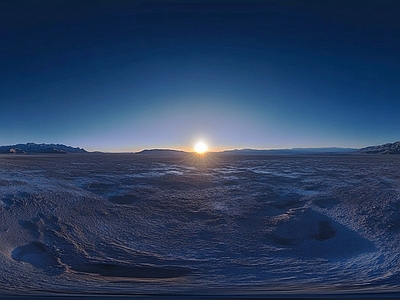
(29, 225)
(38, 255)
(100, 188)
(124, 199)
(325, 231)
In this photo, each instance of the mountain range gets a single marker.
(31, 148)
(389, 148)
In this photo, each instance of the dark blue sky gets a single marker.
(127, 75)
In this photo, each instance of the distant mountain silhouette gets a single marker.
(290, 151)
(389, 148)
(160, 151)
(31, 148)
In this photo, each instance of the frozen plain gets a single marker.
(139, 224)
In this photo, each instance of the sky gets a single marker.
(132, 75)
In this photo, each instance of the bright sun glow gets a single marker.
(200, 148)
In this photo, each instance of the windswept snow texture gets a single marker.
(114, 223)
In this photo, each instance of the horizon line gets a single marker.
(193, 151)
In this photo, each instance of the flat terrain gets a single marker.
(185, 224)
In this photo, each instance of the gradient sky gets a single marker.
(128, 75)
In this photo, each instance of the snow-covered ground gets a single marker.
(120, 223)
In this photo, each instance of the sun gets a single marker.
(200, 148)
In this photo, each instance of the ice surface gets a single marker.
(139, 223)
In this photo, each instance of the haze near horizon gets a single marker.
(130, 75)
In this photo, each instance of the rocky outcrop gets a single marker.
(390, 148)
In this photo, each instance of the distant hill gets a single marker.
(160, 152)
(389, 148)
(327, 150)
(31, 148)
